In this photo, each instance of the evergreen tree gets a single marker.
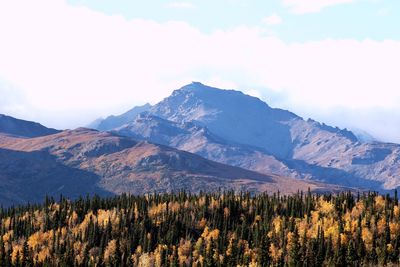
(263, 256)
(294, 250)
(351, 255)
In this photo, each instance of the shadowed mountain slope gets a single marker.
(85, 161)
(16, 127)
(30, 176)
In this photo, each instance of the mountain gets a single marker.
(231, 115)
(199, 140)
(22, 128)
(112, 121)
(83, 161)
(233, 128)
(30, 176)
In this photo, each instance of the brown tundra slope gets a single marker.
(83, 161)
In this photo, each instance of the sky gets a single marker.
(65, 63)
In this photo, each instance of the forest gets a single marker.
(206, 229)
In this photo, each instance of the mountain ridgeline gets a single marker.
(75, 163)
(22, 128)
(198, 139)
(230, 127)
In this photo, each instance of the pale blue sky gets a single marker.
(361, 19)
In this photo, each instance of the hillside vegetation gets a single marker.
(219, 229)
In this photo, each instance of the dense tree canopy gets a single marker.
(218, 229)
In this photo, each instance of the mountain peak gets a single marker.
(112, 121)
(193, 88)
(198, 87)
(197, 83)
(229, 114)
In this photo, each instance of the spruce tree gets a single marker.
(294, 258)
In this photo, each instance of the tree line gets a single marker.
(206, 229)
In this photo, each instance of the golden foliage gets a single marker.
(208, 235)
(158, 254)
(290, 242)
(396, 212)
(325, 207)
(367, 236)
(8, 236)
(394, 229)
(146, 260)
(43, 254)
(184, 251)
(358, 209)
(110, 250)
(381, 225)
(40, 239)
(214, 204)
(73, 219)
(371, 216)
(156, 210)
(202, 201)
(379, 202)
(79, 249)
(202, 223)
(17, 250)
(174, 206)
(277, 224)
(275, 252)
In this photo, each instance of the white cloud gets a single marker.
(274, 19)
(312, 6)
(181, 5)
(72, 64)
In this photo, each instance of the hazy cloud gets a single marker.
(72, 65)
(11, 99)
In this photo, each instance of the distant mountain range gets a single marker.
(198, 139)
